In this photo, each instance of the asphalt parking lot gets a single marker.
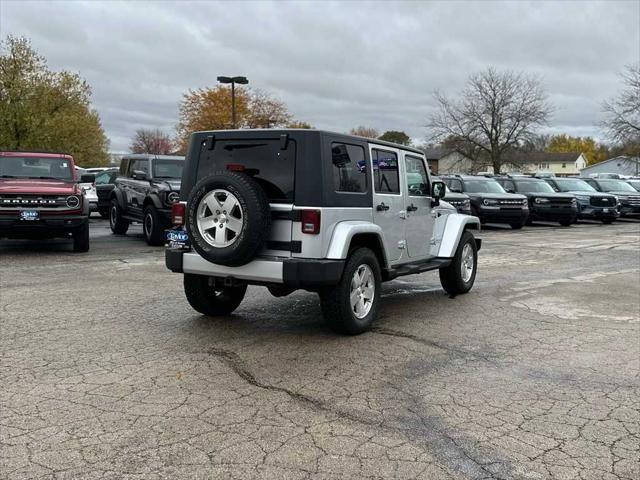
(106, 372)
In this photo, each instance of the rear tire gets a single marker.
(607, 221)
(205, 298)
(119, 225)
(81, 238)
(152, 227)
(566, 223)
(452, 278)
(516, 226)
(104, 213)
(352, 305)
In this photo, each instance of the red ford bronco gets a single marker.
(40, 198)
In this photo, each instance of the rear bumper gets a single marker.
(294, 273)
(46, 227)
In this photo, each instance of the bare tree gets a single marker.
(152, 141)
(266, 111)
(497, 112)
(362, 131)
(622, 119)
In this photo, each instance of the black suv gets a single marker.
(144, 191)
(104, 186)
(592, 205)
(489, 201)
(544, 203)
(628, 197)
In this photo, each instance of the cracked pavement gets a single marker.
(107, 373)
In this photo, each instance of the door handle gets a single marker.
(382, 207)
(412, 208)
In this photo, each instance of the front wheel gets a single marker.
(607, 221)
(516, 226)
(204, 297)
(118, 225)
(352, 305)
(81, 238)
(152, 227)
(459, 276)
(566, 223)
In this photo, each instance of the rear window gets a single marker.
(264, 160)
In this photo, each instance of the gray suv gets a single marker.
(313, 210)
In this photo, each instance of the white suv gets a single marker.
(320, 211)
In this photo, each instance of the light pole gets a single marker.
(233, 81)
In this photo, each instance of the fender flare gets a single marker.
(344, 232)
(154, 199)
(119, 196)
(456, 224)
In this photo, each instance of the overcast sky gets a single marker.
(335, 65)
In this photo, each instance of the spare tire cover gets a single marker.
(228, 218)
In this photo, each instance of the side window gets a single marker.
(349, 168)
(417, 179)
(386, 178)
(455, 185)
(103, 178)
(141, 165)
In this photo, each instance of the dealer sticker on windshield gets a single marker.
(29, 215)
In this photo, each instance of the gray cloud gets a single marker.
(336, 65)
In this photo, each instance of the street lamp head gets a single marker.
(238, 80)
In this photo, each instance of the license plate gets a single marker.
(29, 215)
(606, 210)
(177, 238)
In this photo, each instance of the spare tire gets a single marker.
(228, 218)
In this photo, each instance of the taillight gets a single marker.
(178, 211)
(235, 167)
(310, 221)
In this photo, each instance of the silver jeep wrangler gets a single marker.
(307, 209)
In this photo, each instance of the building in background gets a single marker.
(628, 166)
(561, 164)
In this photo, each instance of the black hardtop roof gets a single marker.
(268, 132)
(147, 156)
(468, 177)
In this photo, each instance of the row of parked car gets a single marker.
(519, 199)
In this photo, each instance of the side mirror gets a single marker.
(455, 189)
(87, 178)
(438, 191)
(139, 175)
(509, 190)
